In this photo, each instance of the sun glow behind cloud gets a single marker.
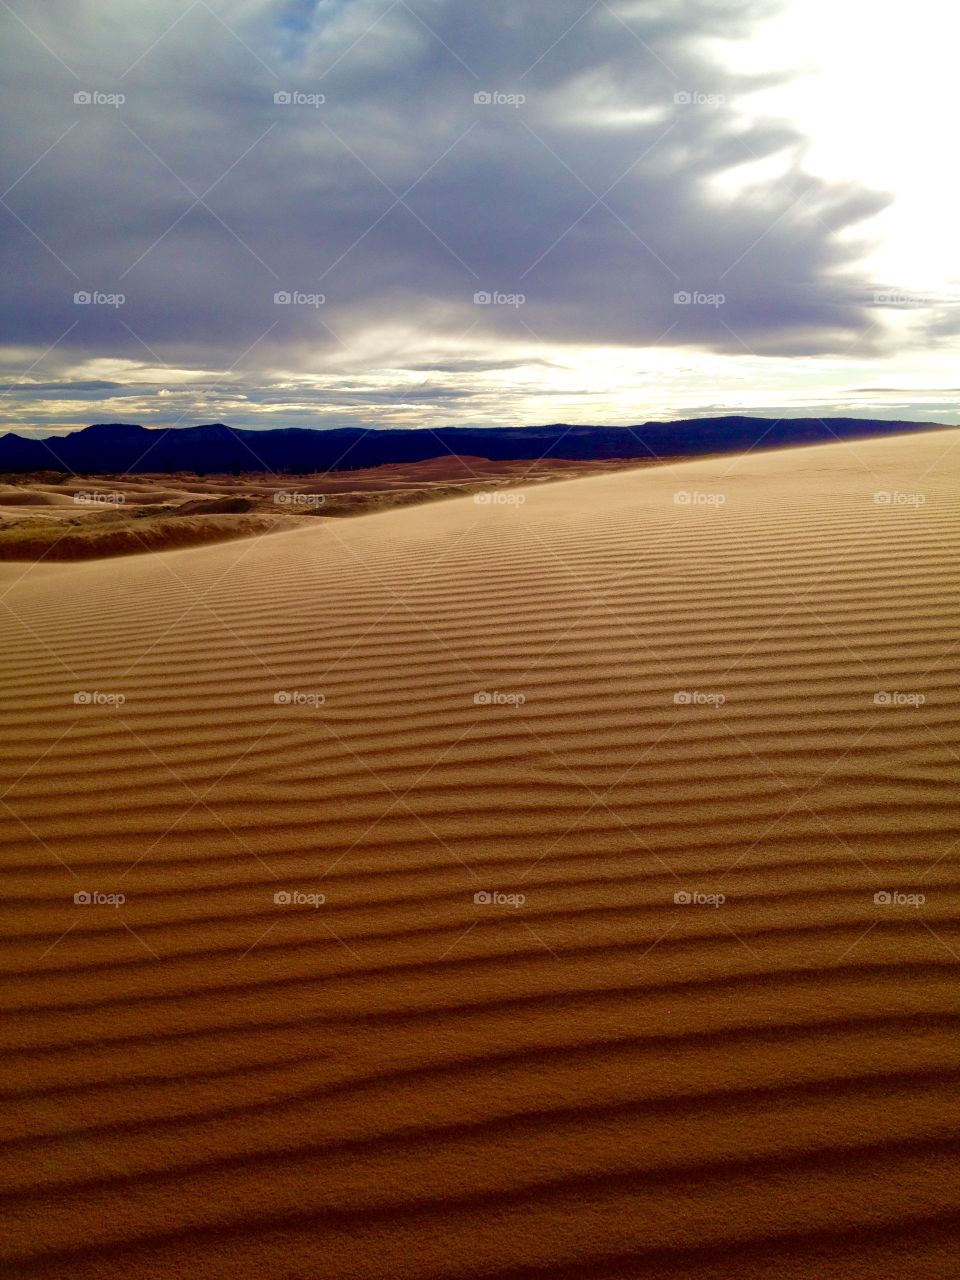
(876, 97)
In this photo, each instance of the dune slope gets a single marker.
(692, 735)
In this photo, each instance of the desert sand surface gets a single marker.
(682, 724)
(56, 516)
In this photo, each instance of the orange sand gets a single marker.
(756, 699)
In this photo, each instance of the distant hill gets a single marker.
(117, 447)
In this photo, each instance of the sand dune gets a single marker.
(51, 516)
(682, 724)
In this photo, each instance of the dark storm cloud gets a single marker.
(183, 210)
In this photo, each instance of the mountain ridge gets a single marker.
(114, 447)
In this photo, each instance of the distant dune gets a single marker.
(14, 496)
(115, 515)
(632, 800)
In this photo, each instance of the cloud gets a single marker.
(563, 159)
(37, 388)
(479, 365)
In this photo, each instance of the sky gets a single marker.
(428, 213)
